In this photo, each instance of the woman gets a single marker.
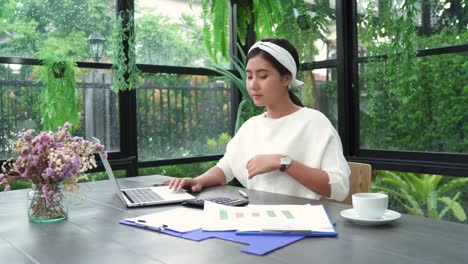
(290, 149)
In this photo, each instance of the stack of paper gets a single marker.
(297, 219)
(266, 218)
(181, 219)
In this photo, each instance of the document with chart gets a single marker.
(266, 218)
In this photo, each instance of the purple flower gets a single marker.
(26, 136)
(24, 151)
(70, 168)
(48, 173)
(3, 179)
(49, 158)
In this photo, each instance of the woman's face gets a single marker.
(265, 84)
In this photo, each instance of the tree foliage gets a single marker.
(408, 102)
(28, 25)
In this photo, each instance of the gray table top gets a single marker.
(92, 235)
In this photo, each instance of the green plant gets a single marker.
(389, 36)
(392, 117)
(423, 194)
(216, 21)
(58, 94)
(124, 64)
(247, 107)
(214, 145)
(180, 170)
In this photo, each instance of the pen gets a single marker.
(243, 194)
(142, 223)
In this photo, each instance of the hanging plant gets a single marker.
(216, 22)
(58, 94)
(126, 71)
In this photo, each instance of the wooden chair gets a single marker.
(359, 180)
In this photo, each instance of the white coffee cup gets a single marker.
(370, 205)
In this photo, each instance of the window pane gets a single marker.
(182, 116)
(169, 32)
(432, 118)
(20, 102)
(442, 23)
(320, 92)
(100, 107)
(408, 102)
(410, 193)
(304, 23)
(63, 26)
(435, 24)
(179, 170)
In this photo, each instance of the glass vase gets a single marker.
(47, 203)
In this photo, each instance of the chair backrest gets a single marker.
(359, 180)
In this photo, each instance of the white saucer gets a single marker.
(388, 217)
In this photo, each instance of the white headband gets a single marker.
(282, 56)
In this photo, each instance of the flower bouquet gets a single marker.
(50, 161)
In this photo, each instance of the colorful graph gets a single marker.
(255, 214)
(239, 214)
(223, 215)
(271, 213)
(287, 214)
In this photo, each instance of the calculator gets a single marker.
(200, 203)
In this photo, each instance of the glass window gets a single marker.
(100, 107)
(20, 105)
(304, 23)
(427, 195)
(179, 170)
(442, 23)
(409, 102)
(169, 32)
(432, 118)
(182, 116)
(320, 92)
(63, 26)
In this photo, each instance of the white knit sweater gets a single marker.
(306, 136)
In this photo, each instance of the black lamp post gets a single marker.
(96, 45)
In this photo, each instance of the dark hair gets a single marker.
(276, 64)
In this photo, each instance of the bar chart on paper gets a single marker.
(265, 217)
(224, 214)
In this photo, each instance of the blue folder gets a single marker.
(259, 243)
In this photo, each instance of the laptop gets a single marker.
(136, 197)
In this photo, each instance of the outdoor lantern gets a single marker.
(96, 45)
(15, 68)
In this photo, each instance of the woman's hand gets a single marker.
(191, 184)
(263, 163)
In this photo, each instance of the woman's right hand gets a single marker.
(191, 184)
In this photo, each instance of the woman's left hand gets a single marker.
(263, 163)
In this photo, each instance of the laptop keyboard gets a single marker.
(142, 195)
